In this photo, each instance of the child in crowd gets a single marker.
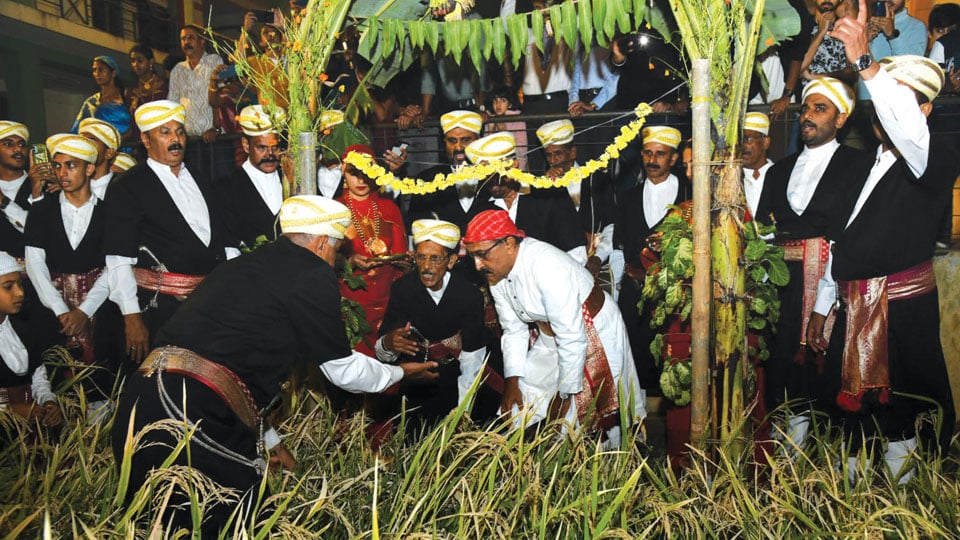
(24, 387)
(503, 104)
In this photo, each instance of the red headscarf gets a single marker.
(491, 225)
(359, 149)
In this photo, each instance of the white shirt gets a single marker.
(189, 87)
(268, 185)
(558, 74)
(16, 215)
(186, 195)
(906, 126)
(806, 174)
(328, 180)
(773, 71)
(529, 293)
(656, 198)
(753, 187)
(17, 358)
(99, 185)
(76, 220)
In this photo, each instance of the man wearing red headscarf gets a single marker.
(581, 358)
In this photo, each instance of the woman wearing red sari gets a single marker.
(377, 231)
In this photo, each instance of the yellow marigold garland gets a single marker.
(413, 186)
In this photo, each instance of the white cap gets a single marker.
(77, 146)
(255, 121)
(556, 132)
(467, 120)
(835, 90)
(124, 161)
(918, 72)
(313, 214)
(9, 129)
(441, 232)
(103, 131)
(757, 121)
(500, 145)
(664, 135)
(8, 264)
(156, 113)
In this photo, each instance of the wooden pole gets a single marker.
(702, 294)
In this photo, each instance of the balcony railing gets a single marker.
(140, 21)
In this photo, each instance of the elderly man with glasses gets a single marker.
(437, 315)
(580, 366)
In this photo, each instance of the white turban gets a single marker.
(255, 121)
(103, 131)
(500, 145)
(313, 214)
(9, 129)
(835, 90)
(77, 146)
(467, 120)
(920, 73)
(664, 135)
(441, 232)
(757, 121)
(330, 118)
(157, 113)
(124, 161)
(556, 132)
(8, 264)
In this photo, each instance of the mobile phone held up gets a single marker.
(880, 9)
(397, 150)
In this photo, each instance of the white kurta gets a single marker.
(547, 285)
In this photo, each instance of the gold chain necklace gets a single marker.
(375, 245)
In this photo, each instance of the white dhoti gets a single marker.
(541, 381)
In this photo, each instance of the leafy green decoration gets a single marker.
(536, 27)
(517, 30)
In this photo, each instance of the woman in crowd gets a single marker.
(107, 104)
(150, 86)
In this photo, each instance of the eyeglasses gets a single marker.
(485, 253)
(432, 260)
(753, 138)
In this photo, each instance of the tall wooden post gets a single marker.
(702, 293)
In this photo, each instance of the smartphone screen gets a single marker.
(880, 9)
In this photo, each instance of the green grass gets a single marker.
(464, 482)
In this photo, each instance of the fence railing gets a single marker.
(143, 22)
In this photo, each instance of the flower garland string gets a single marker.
(412, 186)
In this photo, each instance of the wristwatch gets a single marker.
(863, 62)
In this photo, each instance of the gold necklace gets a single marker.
(375, 245)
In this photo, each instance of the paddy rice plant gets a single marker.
(461, 480)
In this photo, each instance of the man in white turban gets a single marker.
(756, 143)
(804, 194)
(640, 210)
(550, 219)
(253, 193)
(889, 340)
(20, 184)
(164, 228)
(455, 204)
(107, 139)
(435, 314)
(592, 197)
(122, 163)
(229, 348)
(65, 264)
